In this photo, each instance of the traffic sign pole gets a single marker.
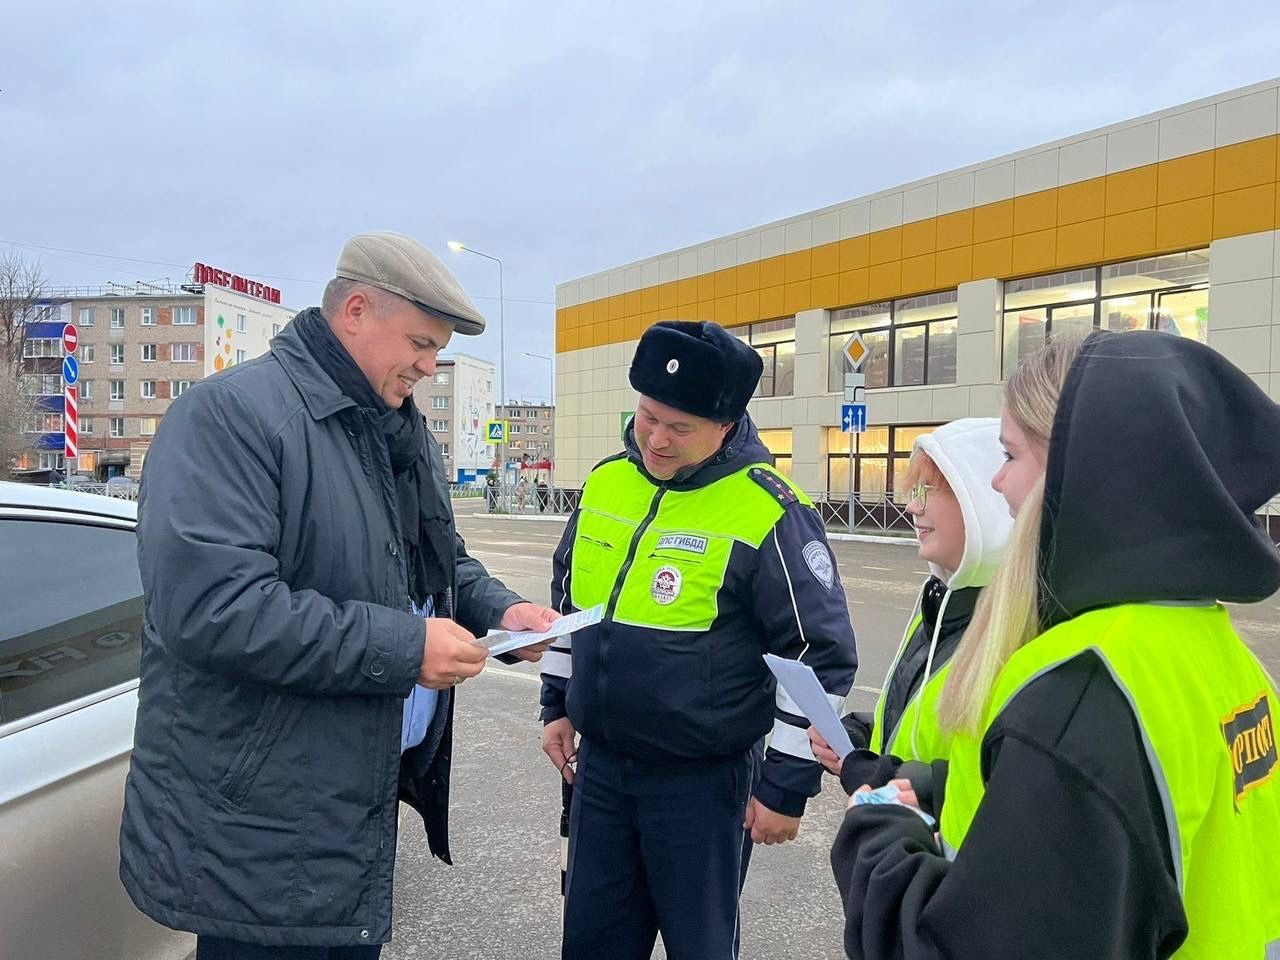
(849, 518)
(71, 424)
(70, 398)
(853, 420)
(855, 353)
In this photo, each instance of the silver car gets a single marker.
(70, 619)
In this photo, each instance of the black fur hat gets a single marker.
(697, 367)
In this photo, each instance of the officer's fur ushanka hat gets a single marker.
(697, 367)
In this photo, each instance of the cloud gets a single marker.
(566, 138)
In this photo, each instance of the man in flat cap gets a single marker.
(704, 557)
(309, 608)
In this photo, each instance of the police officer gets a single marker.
(703, 557)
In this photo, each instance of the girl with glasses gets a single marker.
(962, 524)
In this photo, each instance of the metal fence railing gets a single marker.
(1269, 516)
(882, 513)
(530, 499)
(121, 489)
(875, 512)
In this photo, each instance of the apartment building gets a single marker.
(139, 348)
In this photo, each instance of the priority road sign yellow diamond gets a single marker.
(855, 350)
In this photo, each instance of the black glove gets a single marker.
(858, 726)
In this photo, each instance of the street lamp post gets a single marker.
(458, 247)
(552, 363)
(538, 356)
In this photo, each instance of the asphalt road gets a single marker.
(501, 899)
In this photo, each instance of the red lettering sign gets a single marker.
(203, 274)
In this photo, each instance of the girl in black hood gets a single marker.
(1113, 787)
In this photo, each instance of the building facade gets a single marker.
(139, 348)
(531, 431)
(457, 403)
(1168, 221)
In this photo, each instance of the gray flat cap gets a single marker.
(403, 266)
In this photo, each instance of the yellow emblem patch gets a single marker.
(1251, 742)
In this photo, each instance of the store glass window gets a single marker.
(1169, 293)
(911, 342)
(880, 457)
(778, 443)
(775, 341)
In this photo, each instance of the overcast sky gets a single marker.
(564, 138)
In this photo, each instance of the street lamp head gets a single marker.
(456, 246)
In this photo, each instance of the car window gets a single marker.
(72, 602)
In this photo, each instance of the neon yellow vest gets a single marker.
(918, 735)
(1207, 711)
(638, 546)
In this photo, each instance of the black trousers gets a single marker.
(656, 849)
(215, 948)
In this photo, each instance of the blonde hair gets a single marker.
(1007, 615)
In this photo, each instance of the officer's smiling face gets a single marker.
(670, 439)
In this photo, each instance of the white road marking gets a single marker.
(513, 673)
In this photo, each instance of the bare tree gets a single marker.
(23, 291)
(16, 408)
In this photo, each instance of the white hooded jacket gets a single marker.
(968, 454)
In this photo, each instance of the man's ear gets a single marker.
(357, 310)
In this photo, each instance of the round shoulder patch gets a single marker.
(818, 559)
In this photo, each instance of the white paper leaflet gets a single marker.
(504, 641)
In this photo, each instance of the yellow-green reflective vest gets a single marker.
(630, 532)
(917, 735)
(1207, 712)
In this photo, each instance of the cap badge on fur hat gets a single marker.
(697, 367)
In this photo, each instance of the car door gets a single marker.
(69, 644)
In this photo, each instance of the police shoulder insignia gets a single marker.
(1251, 743)
(818, 559)
(774, 486)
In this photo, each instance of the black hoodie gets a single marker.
(1161, 454)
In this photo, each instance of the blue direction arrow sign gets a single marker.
(853, 417)
(70, 370)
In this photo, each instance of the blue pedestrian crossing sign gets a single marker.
(496, 431)
(70, 371)
(853, 417)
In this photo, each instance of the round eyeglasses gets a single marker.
(919, 494)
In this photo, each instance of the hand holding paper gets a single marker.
(802, 685)
(504, 641)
